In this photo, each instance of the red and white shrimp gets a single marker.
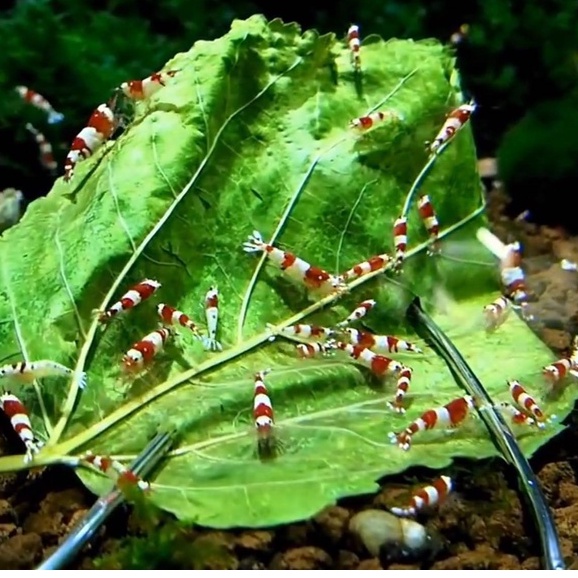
(453, 123)
(358, 313)
(451, 415)
(496, 313)
(142, 352)
(363, 124)
(430, 220)
(47, 159)
(307, 331)
(400, 239)
(130, 299)
(212, 315)
(27, 372)
(171, 316)
(297, 269)
(17, 413)
(379, 365)
(432, 495)
(365, 267)
(143, 89)
(518, 417)
(402, 387)
(308, 350)
(526, 402)
(117, 472)
(100, 127)
(37, 100)
(264, 417)
(559, 369)
(512, 275)
(380, 343)
(354, 44)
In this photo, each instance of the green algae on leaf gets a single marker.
(253, 134)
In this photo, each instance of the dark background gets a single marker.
(520, 62)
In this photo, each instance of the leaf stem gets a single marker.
(87, 345)
(121, 219)
(293, 201)
(136, 404)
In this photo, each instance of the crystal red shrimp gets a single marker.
(263, 416)
(451, 415)
(379, 364)
(363, 124)
(526, 402)
(559, 369)
(518, 417)
(99, 128)
(307, 331)
(430, 220)
(142, 352)
(117, 472)
(27, 372)
(513, 278)
(512, 275)
(308, 350)
(426, 497)
(402, 387)
(47, 159)
(171, 316)
(143, 89)
(512, 260)
(212, 316)
(354, 46)
(453, 123)
(17, 413)
(365, 267)
(380, 343)
(297, 269)
(496, 313)
(400, 239)
(135, 295)
(358, 313)
(37, 100)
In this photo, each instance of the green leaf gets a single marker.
(253, 134)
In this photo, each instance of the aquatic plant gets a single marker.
(253, 134)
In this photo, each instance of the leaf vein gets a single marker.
(65, 279)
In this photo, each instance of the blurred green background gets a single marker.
(519, 58)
